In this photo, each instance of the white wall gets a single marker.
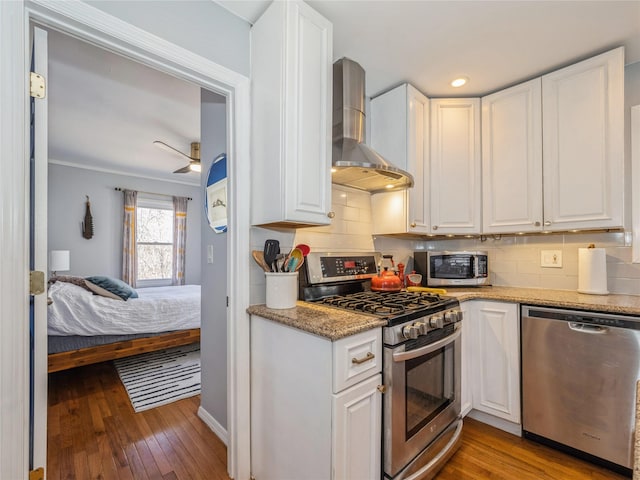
(213, 398)
(200, 26)
(102, 254)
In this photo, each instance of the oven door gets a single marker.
(422, 399)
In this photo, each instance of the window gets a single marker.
(154, 241)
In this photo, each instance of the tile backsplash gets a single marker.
(514, 260)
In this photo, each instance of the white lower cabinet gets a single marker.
(493, 348)
(315, 404)
(466, 399)
(357, 431)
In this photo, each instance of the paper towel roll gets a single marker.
(592, 271)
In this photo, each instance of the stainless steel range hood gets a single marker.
(354, 163)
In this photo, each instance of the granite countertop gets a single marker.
(334, 323)
(616, 304)
(328, 322)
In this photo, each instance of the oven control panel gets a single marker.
(421, 327)
(424, 326)
(337, 267)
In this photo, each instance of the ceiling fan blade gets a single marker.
(186, 169)
(169, 148)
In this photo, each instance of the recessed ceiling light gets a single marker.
(390, 186)
(460, 81)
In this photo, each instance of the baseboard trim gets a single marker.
(214, 425)
(502, 424)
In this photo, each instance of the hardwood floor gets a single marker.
(487, 452)
(94, 434)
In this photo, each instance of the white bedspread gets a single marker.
(76, 311)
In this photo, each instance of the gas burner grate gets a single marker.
(384, 303)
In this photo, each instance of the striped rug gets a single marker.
(157, 378)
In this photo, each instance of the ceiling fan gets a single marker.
(194, 158)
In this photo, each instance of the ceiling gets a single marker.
(103, 108)
(493, 43)
(105, 111)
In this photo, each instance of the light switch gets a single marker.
(209, 253)
(551, 258)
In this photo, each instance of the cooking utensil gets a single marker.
(258, 256)
(305, 249)
(295, 257)
(387, 281)
(280, 262)
(299, 264)
(271, 251)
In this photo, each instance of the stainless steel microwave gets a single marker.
(452, 268)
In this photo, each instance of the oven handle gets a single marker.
(432, 347)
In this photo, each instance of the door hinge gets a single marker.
(227, 301)
(37, 474)
(37, 85)
(36, 282)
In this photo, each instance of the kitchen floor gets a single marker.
(94, 433)
(487, 452)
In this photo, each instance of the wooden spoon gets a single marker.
(258, 256)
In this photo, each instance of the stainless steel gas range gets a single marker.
(421, 365)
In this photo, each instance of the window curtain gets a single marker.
(129, 260)
(179, 239)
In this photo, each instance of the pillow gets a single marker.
(110, 287)
(79, 281)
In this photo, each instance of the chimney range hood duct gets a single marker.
(355, 164)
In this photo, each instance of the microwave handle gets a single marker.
(427, 349)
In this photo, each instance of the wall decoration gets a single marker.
(87, 224)
(216, 194)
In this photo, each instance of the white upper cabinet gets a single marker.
(583, 144)
(291, 70)
(553, 150)
(400, 133)
(512, 159)
(455, 163)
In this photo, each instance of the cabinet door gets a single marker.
(495, 364)
(466, 397)
(291, 68)
(583, 144)
(512, 159)
(455, 166)
(357, 418)
(400, 133)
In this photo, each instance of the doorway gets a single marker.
(105, 111)
(83, 21)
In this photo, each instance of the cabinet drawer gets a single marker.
(356, 357)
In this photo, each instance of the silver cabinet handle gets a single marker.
(435, 227)
(413, 224)
(547, 223)
(366, 358)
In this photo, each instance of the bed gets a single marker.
(85, 328)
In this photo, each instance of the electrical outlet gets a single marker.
(551, 258)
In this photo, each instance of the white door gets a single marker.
(38, 258)
(455, 166)
(512, 159)
(495, 366)
(583, 144)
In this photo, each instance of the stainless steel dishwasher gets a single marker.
(579, 374)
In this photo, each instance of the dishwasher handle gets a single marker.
(588, 328)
